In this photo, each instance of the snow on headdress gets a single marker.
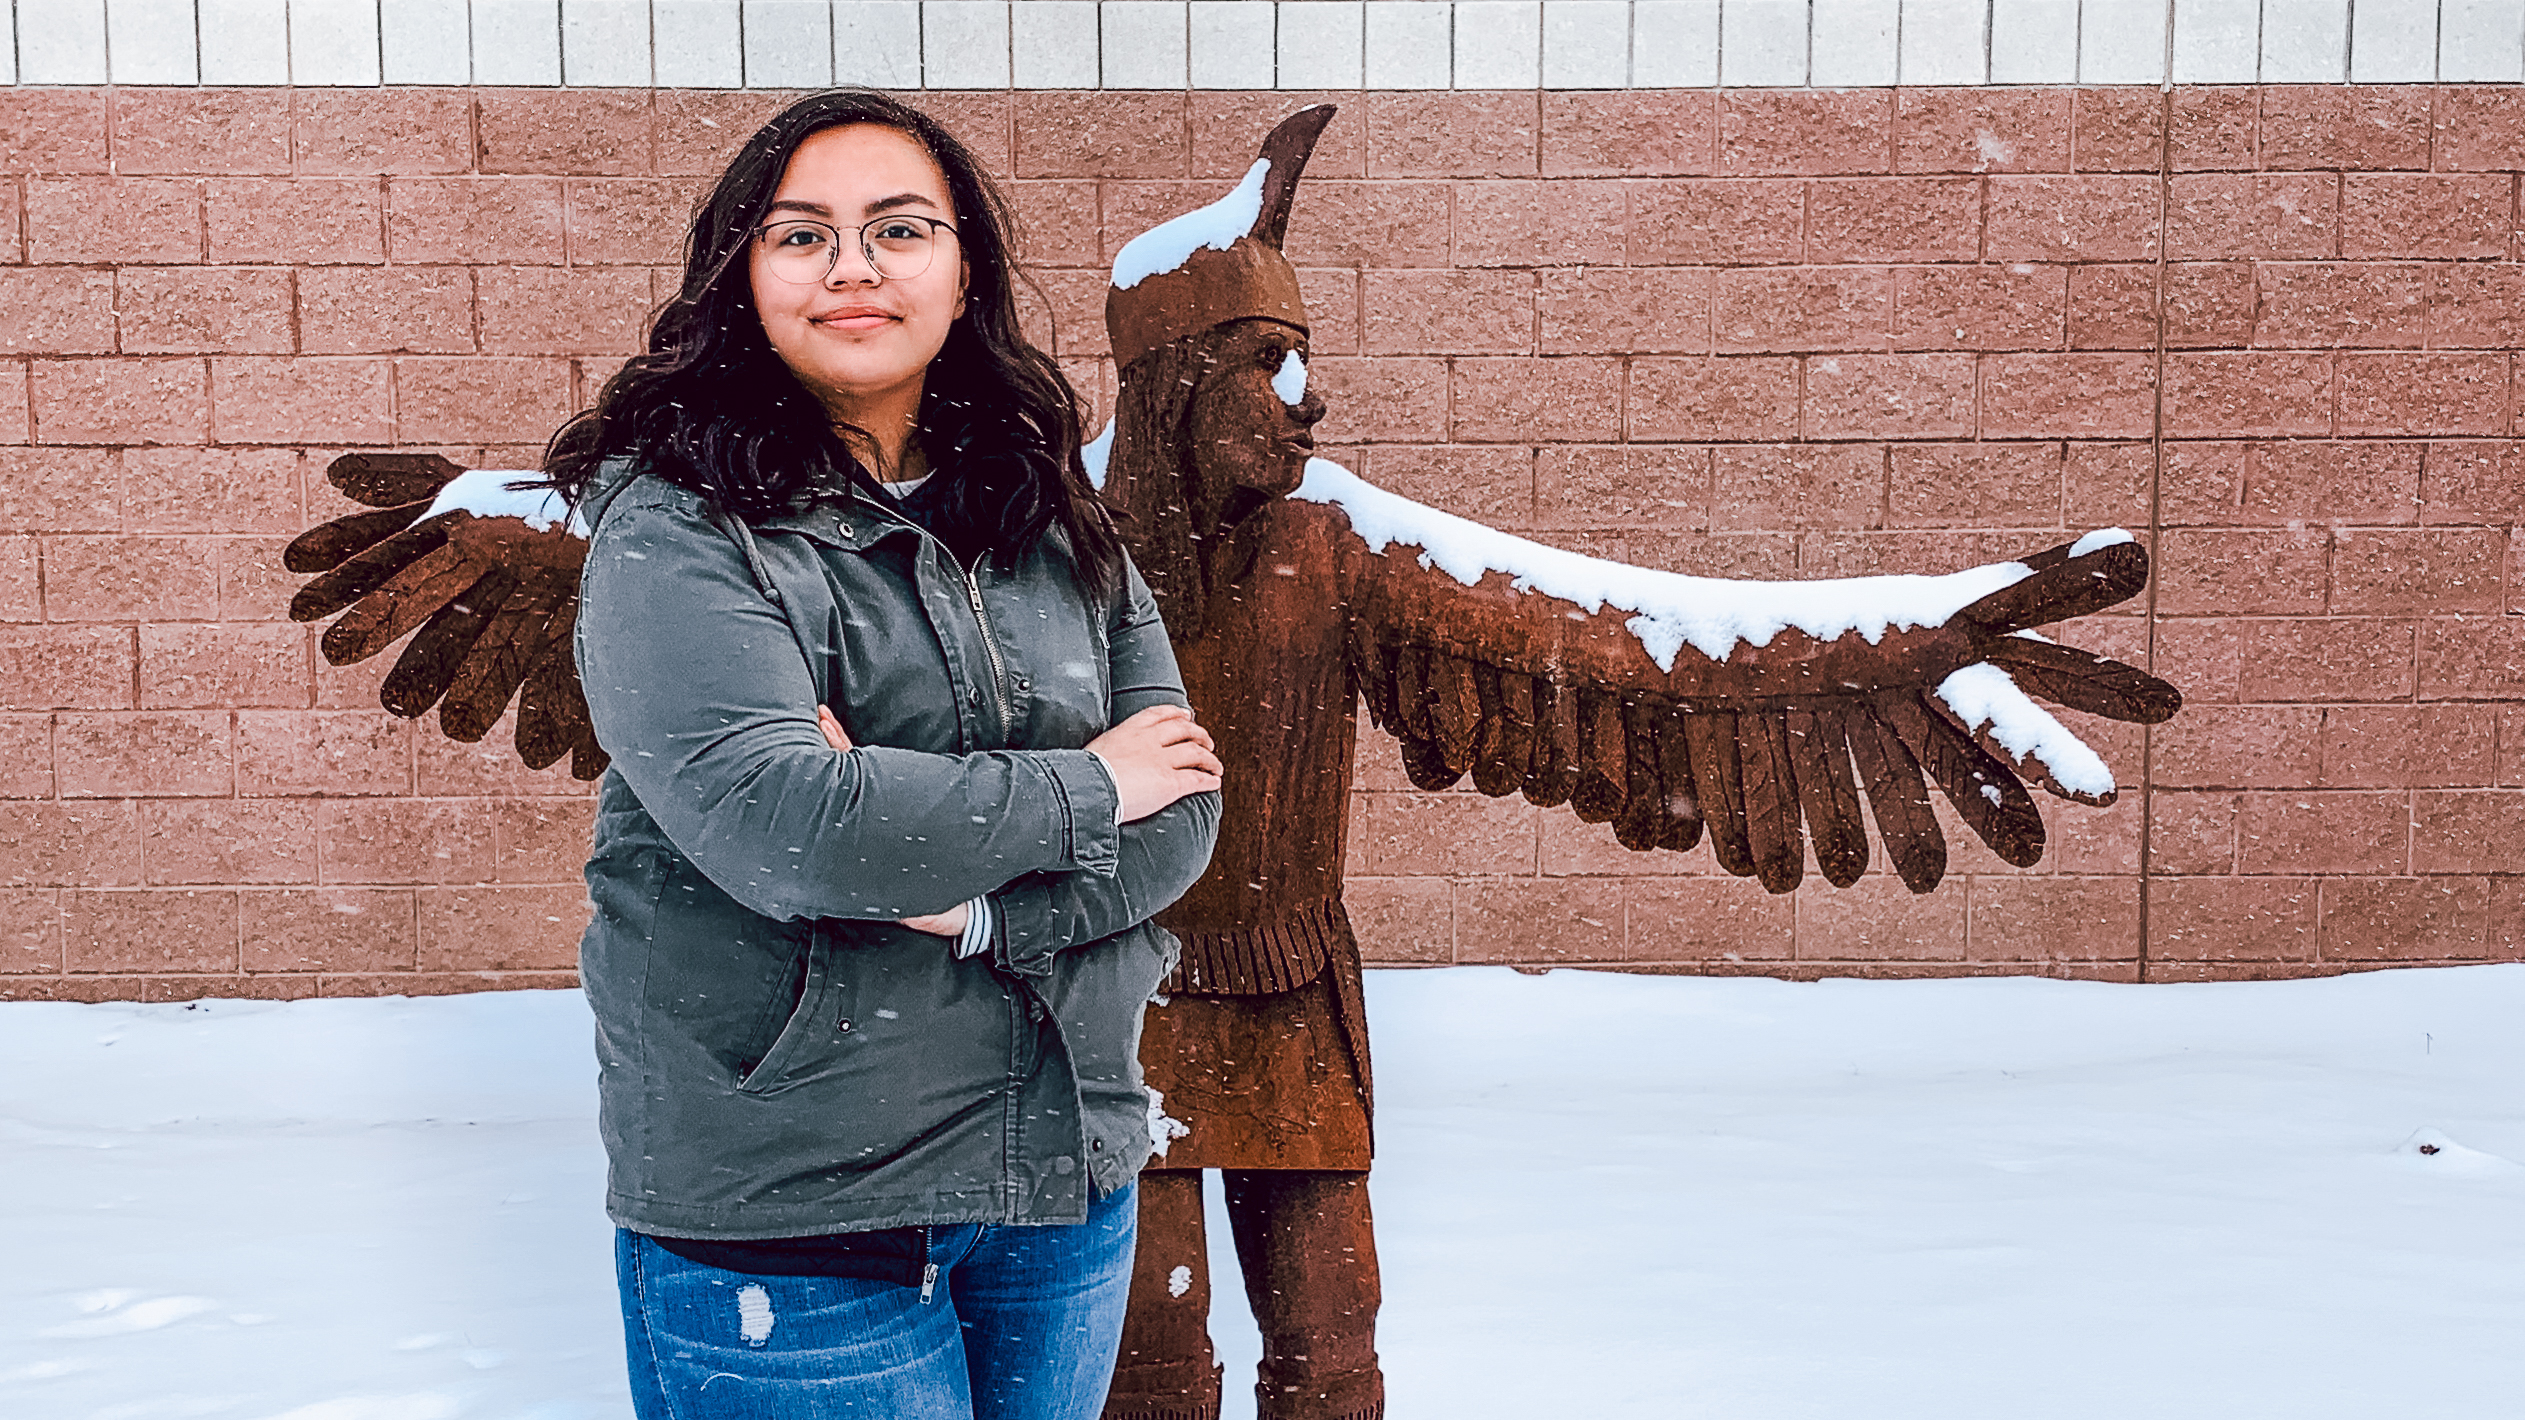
(1220, 263)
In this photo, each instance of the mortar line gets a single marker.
(2156, 512)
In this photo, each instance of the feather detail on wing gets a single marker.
(487, 576)
(1758, 712)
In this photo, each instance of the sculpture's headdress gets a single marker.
(1220, 263)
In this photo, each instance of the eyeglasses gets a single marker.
(899, 246)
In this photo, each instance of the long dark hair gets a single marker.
(711, 408)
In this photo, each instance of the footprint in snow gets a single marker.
(119, 1319)
(2433, 1152)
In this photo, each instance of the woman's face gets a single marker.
(859, 340)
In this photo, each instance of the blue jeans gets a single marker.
(1023, 1324)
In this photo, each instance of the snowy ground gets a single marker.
(1599, 1196)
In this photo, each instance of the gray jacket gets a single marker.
(779, 1057)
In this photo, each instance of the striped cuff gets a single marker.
(977, 928)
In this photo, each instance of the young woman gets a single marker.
(901, 769)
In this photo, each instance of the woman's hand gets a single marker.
(949, 923)
(832, 729)
(1158, 756)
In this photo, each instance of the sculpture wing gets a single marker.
(488, 576)
(1757, 712)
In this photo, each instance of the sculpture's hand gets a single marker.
(1158, 756)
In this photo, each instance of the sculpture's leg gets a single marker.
(1166, 1371)
(1308, 1249)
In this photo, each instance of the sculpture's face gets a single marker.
(1249, 442)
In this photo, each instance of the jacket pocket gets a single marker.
(811, 1026)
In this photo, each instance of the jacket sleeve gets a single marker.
(701, 693)
(1161, 856)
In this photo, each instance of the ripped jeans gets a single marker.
(1023, 1324)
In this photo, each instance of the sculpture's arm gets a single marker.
(1666, 704)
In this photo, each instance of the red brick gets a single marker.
(698, 130)
(1402, 921)
(2231, 216)
(2426, 215)
(1706, 918)
(1386, 398)
(1503, 222)
(1894, 219)
(328, 929)
(200, 311)
(1802, 308)
(12, 225)
(148, 753)
(2192, 833)
(1602, 309)
(2251, 746)
(1846, 553)
(2321, 305)
(1449, 312)
(1805, 132)
(448, 767)
(2475, 658)
(2072, 218)
(222, 665)
(2213, 126)
(309, 221)
(21, 580)
(612, 222)
(2417, 572)
(1489, 483)
(193, 929)
(2112, 307)
(30, 931)
(1888, 396)
(1405, 835)
(2201, 655)
(2283, 483)
(405, 841)
(2209, 304)
(1681, 221)
(1743, 398)
(2409, 746)
(1077, 311)
(1877, 919)
(458, 398)
(1634, 133)
(1975, 485)
(2117, 130)
(2067, 395)
(101, 220)
(2242, 573)
(542, 840)
(253, 583)
(2052, 918)
(2406, 919)
(46, 130)
(1657, 485)
(57, 312)
(2478, 127)
(2231, 919)
(211, 490)
(1507, 400)
(2466, 831)
(2424, 394)
(480, 219)
(69, 845)
(2220, 394)
(578, 133)
(17, 419)
(1229, 125)
(1448, 134)
(59, 490)
(444, 983)
(2512, 747)
(65, 667)
(197, 131)
(1764, 488)
(1056, 222)
(389, 310)
(2476, 305)
(120, 401)
(1696, 554)
(2341, 658)
(334, 752)
(2304, 831)
(1982, 307)
(1102, 134)
(299, 401)
(390, 130)
(1981, 130)
(549, 311)
(225, 842)
(1355, 224)
(2350, 126)
(501, 928)
(1551, 920)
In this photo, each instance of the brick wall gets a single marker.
(1754, 333)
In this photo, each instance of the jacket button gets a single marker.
(1096, 1145)
(1024, 684)
(844, 1027)
(1065, 1165)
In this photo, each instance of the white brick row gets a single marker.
(1252, 44)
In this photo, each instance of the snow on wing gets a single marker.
(488, 578)
(1504, 662)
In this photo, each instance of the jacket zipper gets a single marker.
(990, 645)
